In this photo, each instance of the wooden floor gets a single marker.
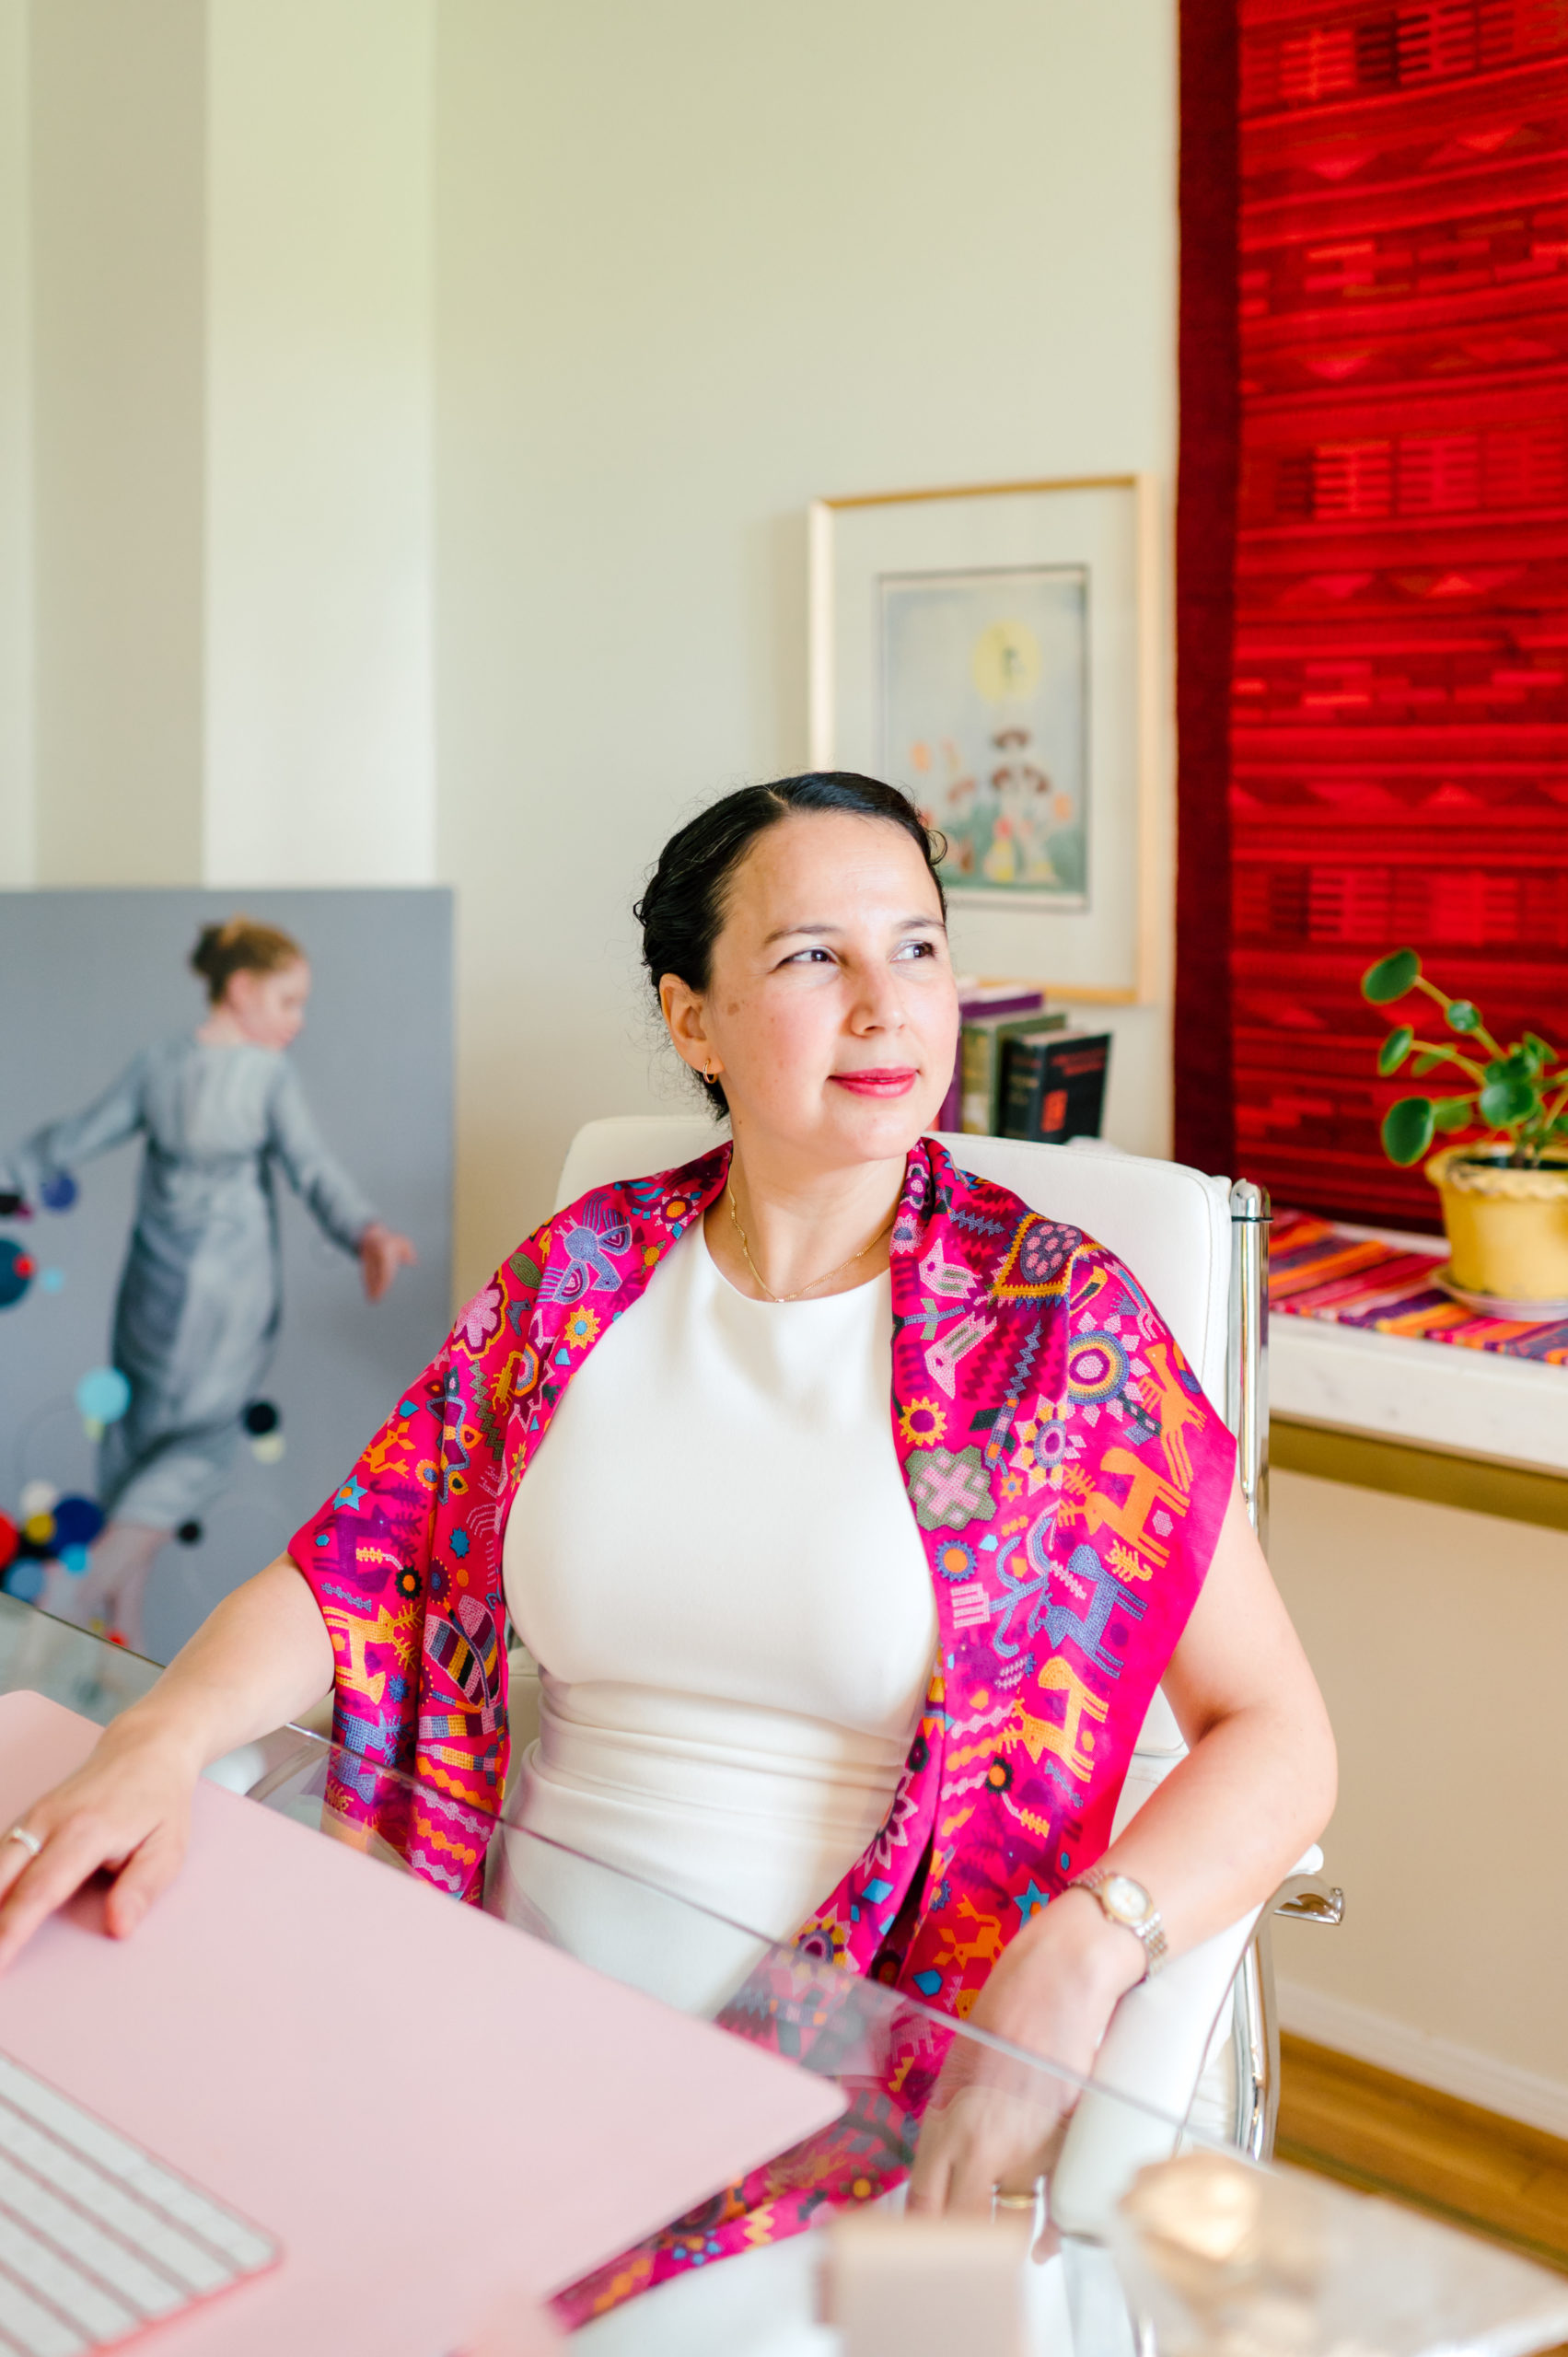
(1386, 2135)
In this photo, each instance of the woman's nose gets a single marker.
(877, 1005)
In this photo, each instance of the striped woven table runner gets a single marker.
(1317, 1270)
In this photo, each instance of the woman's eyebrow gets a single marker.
(783, 932)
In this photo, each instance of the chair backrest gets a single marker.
(1170, 1223)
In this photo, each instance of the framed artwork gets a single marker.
(988, 649)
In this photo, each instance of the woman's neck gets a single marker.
(777, 1232)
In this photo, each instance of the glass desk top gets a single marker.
(1145, 2237)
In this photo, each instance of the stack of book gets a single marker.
(1020, 1071)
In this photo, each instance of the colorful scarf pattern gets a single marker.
(1068, 1478)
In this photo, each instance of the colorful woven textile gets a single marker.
(1317, 1270)
(1399, 742)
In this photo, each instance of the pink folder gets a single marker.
(333, 2049)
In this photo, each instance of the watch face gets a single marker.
(1125, 1900)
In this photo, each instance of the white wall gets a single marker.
(18, 815)
(1438, 1637)
(117, 137)
(215, 445)
(318, 746)
(696, 264)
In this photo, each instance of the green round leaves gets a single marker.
(1518, 1094)
(1390, 977)
(1503, 1102)
(1408, 1129)
(1395, 1049)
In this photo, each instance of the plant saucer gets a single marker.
(1496, 1304)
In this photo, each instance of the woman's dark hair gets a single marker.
(683, 910)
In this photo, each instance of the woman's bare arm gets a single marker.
(261, 1658)
(1258, 1782)
(1215, 1839)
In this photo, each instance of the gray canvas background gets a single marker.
(88, 978)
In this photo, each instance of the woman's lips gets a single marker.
(894, 1080)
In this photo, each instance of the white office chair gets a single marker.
(1200, 2041)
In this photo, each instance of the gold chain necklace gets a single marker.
(822, 1280)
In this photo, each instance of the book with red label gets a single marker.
(1053, 1086)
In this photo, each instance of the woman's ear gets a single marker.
(685, 1011)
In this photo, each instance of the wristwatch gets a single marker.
(1126, 1902)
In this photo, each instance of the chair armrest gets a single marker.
(523, 1697)
(1305, 1897)
(1159, 2038)
(1154, 2050)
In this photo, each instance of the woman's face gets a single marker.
(831, 1012)
(269, 1008)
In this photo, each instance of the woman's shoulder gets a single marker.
(1024, 1249)
(650, 1205)
(604, 1242)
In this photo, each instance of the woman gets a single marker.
(201, 1295)
(869, 1677)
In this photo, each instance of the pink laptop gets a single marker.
(244, 2129)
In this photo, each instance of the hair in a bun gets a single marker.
(240, 946)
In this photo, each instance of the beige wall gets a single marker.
(216, 590)
(319, 732)
(18, 848)
(696, 264)
(1439, 1639)
(118, 131)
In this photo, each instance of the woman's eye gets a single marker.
(804, 957)
(916, 949)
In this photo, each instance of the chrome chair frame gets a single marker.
(1301, 1898)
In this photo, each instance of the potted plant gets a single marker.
(1503, 1181)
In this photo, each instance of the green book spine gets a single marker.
(984, 1045)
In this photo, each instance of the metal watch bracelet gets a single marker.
(1150, 1931)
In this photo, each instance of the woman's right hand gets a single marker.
(260, 1659)
(126, 1811)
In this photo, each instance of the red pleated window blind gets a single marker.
(1399, 742)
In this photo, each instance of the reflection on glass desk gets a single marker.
(1146, 2236)
(40, 1655)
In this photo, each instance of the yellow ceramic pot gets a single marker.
(1507, 1229)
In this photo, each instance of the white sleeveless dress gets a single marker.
(714, 1561)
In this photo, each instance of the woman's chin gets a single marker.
(877, 1128)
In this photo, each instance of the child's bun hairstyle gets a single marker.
(240, 947)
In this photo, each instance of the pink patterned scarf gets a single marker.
(1068, 1478)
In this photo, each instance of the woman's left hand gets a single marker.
(994, 2123)
(382, 1252)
